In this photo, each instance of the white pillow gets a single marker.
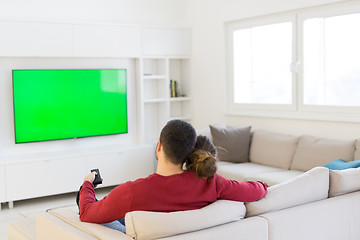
(308, 187)
(344, 181)
(152, 225)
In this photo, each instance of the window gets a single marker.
(298, 63)
(331, 60)
(262, 58)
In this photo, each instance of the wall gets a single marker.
(208, 67)
(128, 12)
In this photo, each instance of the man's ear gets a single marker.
(158, 146)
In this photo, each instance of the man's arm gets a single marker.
(110, 208)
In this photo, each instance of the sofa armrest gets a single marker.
(65, 224)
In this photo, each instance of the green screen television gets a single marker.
(58, 104)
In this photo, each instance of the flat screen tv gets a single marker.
(68, 103)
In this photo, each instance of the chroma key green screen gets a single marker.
(62, 104)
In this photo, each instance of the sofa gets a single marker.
(305, 200)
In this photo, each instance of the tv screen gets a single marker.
(68, 103)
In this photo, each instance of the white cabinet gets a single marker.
(2, 185)
(157, 106)
(107, 41)
(166, 42)
(35, 39)
(42, 178)
(63, 174)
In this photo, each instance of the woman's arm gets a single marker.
(247, 191)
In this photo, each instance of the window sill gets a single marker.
(298, 115)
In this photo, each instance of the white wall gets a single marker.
(208, 67)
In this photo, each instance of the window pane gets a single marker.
(331, 61)
(262, 58)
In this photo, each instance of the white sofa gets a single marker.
(304, 202)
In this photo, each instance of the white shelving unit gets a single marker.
(156, 105)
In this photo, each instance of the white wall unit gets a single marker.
(166, 42)
(35, 39)
(156, 104)
(107, 41)
(2, 185)
(56, 167)
(45, 176)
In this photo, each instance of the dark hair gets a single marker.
(203, 159)
(178, 139)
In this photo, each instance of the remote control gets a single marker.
(97, 177)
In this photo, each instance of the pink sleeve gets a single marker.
(248, 191)
(110, 208)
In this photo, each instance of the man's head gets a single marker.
(178, 139)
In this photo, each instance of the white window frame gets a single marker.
(329, 11)
(296, 110)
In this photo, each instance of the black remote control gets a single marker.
(97, 177)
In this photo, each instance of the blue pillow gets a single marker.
(340, 164)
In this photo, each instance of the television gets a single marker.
(55, 104)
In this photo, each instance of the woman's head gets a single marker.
(203, 159)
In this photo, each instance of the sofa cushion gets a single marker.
(344, 181)
(152, 225)
(296, 191)
(273, 178)
(340, 164)
(312, 152)
(242, 171)
(272, 149)
(232, 143)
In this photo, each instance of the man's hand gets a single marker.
(90, 177)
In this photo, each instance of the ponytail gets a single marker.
(202, 163)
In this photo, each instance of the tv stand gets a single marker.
(117, 164)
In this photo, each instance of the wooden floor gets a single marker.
(28, 209)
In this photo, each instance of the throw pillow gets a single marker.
(153, 225)
(344, 181)
(273, 149)
(296, 191)
(312, 152)
(232, 143)
(341, 164)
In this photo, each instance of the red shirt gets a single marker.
(158, 193)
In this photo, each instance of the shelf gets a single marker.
(157, 107)
(185, 118)
(179, 99)
(156, 77)
(155, 100)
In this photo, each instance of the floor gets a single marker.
(28, 209)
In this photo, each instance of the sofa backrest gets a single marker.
(308, 187)
(312, 151)
(153, 225)
(273, 149)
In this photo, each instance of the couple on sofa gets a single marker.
(171, 188)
